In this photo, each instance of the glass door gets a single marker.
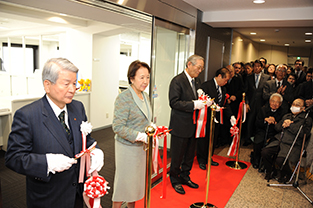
(170, 52)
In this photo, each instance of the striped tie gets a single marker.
(219, 96)
(62, 120)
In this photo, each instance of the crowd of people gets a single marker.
(276, 99)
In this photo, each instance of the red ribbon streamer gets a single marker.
(233, 149)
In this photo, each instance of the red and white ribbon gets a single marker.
(85, 128)
(234, 130)
(94, 188)
(202, 116)
(160, 131)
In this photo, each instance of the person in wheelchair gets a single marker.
(288, 127)
(270, 114)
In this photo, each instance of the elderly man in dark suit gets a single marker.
(267, 117)
(254, 98)
(290, 125)
(183, 100)
(215, 89)
(46, 136)
(281, 86)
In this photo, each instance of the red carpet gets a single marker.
(223, 182)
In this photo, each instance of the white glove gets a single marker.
(232, 120)
(198, 104)
(59, 162)
(97, 158)
(142, 137)
(209, 102)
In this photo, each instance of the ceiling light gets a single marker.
(262, 40)
(63, 14)
(308, 41)
(286, 44)
(120, 2)
(259, 1)
(57, 19)
(240, 39)
(253, 33)
(308, 33)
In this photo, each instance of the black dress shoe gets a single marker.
(202, 166)
(214, 163)
(191, 184)
(179, 189)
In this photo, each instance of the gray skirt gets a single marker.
(130, 173)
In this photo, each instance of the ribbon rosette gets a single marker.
(85, 128)
(94, 188)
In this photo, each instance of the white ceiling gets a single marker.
(276, 21)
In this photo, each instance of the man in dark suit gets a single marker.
(267, 117)
(183, 100)
(281, 86)
(301, 76)
(254, 98)
(42, 146)
(215, 89)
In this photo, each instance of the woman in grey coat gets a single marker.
(132, 113)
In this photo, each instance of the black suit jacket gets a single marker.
(36, 131)
(209, 88)
(271, 88)
(301, 78)
(261, 126)
(235, 87)
(181, 99)
(306, 91)
(254, 96)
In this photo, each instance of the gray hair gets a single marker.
(278, 95)
(193, 59)
(53, 66)
(281, 66)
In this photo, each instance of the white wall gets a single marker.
(245, 50)
(105, 79)
(79, 51)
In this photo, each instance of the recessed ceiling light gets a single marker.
(253, 33)
(262, 40)
(57, 19)
(63, 14)
(308, 33)
(308, 41)
(120, 2)
(258, 1)
(286, 44)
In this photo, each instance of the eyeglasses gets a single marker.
(199, 67)
(282, 70)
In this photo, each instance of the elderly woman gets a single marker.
(132, 113)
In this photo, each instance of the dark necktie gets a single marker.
(193, 86)
(62, 120)
(219, 95)
(278, 85)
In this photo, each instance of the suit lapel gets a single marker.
(54, 126)
(139, 105)
(189, 88)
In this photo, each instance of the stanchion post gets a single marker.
(149, 131)
(212, 128)
(236, 164)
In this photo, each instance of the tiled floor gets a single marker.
(254, 192)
